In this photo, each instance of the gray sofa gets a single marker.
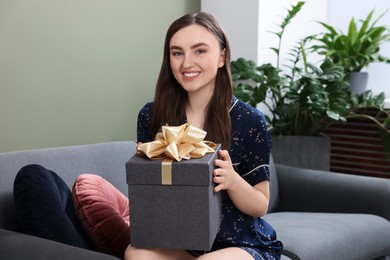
(317, 215)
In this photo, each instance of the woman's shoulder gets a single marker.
(145, 113)
(242, 111)
(148, 106)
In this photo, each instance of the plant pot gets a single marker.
(358, 82)
(311, 152)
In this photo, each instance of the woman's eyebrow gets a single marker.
(200, 44)
(174, 47)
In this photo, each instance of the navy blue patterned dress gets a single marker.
(249, 151)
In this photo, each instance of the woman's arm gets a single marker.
(252, 200)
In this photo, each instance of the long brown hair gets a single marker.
(170, 98)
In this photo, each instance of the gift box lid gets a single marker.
(140, 170)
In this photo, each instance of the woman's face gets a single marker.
(195, 57)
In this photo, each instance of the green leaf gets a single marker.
(356, 49)
(333, 115)
(365, 24)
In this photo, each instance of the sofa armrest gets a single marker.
(20, 246)
(323, 191)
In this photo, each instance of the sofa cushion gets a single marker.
(18, 246)
(332, 235)
(44, 207)
(103, 212)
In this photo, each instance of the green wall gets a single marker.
(78, 71)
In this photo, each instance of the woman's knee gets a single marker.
(135, 253)
(132, 253)
(36, 169)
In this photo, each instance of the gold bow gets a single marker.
(178, 142)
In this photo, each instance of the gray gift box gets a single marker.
(185, 214)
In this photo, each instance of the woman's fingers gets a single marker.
(222, 174)
(219, 187)
(224, 155)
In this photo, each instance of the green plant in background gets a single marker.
(304, 99)
(354, 51)
(358, 47)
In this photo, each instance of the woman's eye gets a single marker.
(200, 51)
(177, 53)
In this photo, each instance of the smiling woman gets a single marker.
(195, 87)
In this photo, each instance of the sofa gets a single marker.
(317, 214)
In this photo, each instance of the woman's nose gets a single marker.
(188, 61)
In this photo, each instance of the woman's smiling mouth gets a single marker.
(190, 75)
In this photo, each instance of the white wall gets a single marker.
(240, 22)
(303, 24)
(249, 23)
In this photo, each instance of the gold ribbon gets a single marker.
(176, 143)
(166, 172)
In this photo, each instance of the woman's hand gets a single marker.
(252, 200)
(224, 175)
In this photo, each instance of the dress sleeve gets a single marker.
(143, 123)
(254, 167)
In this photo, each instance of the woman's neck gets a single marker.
(196, 108)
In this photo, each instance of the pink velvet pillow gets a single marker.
(103, 212)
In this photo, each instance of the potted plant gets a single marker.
(298, 99)
(356, 49)
(302, 100)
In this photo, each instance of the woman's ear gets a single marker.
(222, 58)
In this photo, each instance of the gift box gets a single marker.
(172, 203)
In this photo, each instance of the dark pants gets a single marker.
(44, 207)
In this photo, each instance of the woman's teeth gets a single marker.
(191, 74)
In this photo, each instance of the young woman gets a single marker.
(195, 86)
